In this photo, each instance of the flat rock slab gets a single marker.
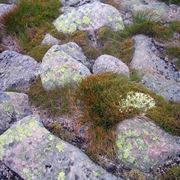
(34, 153)
(62, 65)
(143, 145)
(16, 70)
(91, 16)
(13, 107)
(5, 8)
(158, 75)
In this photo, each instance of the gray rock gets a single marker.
(50, 40)
(5, 8)
(107, 63)
(13, 107)
(61, 66)
(143, 145)
(34, 153)
(160, 10)
(76, 3)
(90, 17)
(158, 75)
(16, 70)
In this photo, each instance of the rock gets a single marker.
(160, 10)
(91, 16)
(143, 145)
(34, 153)
(5, 8)
(62, 65)
(16, 70)
(107, 63)
(76, 3)
(13, 107)
(157, 74)
(50, 40)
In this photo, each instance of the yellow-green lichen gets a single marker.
(60, 147)
(61, 176)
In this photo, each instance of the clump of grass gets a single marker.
(38, 52)
(172, 174)
(30, 21)
(171, 1)
(100, 99)
(56, 102)
(174, 53)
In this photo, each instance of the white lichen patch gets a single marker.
(137, 100)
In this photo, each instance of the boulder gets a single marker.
(75, 3)
(16, 70)
(143, 145)
(50, 40)
(13, 107)
(107, 63)
(157, 74)
(62, 65)
(91, 16)
(159, 10)
(5, 8)
(34, 153)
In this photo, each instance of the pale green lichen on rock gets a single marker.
(61, 176)
(97, 173)
(137, 100)
(60, 147)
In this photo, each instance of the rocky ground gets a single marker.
(122, 57)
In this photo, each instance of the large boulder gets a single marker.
(107, 63)
(16, 70)
(13, 107)
(157, 74)
(62, 65)
(90, 16)
(143, 145)
(34, 153)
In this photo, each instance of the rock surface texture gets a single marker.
(5, 8)
(13, 107)
(158, 75)
(107, 63)
(31, 151)
(144, 145)
(90, 16)
(61, 65)
(16, 70)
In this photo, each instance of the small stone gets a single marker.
(50, 40)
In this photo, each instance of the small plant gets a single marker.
(56, 102)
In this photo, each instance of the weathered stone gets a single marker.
(76, 3)
(34, 153)
(107, 63)
(50, 40)
(158, 75)
(159, 10)
(143, 145)
(13, 107)
(16, 70)
(62, 65)
(5, 8)
(90, 16)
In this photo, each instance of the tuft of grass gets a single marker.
(30, 21)
(38, 52)
(172, 174)
(171, 1)
(56, 102)
(174, 53)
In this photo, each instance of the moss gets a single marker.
(56, 101)
(172, 174)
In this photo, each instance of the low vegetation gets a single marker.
(30, 21)
(172, 174)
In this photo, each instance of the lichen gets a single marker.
(60, 147)
(61, 176)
